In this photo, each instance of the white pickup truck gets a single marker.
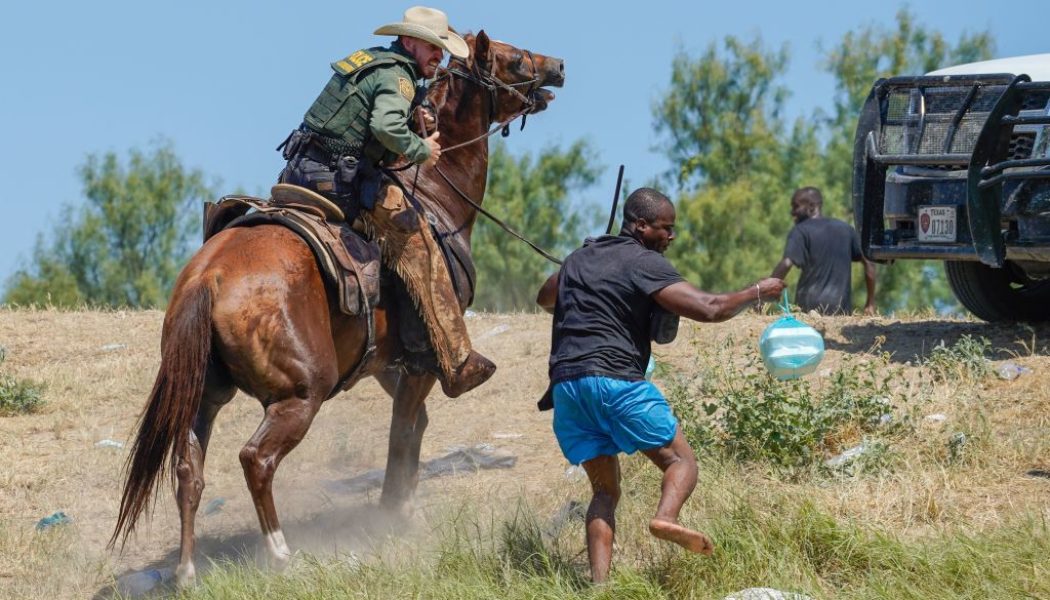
(955, 166)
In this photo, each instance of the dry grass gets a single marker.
(99, 366)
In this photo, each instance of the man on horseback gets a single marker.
(359, 124)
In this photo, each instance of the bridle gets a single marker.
(493, 85)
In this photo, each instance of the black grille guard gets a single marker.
(876, 148)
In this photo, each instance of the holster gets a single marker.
(290, 146)
(313, 166)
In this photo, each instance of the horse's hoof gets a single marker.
(280, 563)
(185, 576)
(399, 508)
(277, 554)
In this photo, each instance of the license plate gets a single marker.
(936, 224)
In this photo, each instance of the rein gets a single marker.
(502, 125)
(497, 220)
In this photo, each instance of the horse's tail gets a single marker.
(172, 407)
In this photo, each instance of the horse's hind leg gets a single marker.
(283, 427)
(407, 425)
(190, 469)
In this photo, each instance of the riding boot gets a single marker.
(411, 251)
(393, 215)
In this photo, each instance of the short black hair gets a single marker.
(809, 196)
(643, 203)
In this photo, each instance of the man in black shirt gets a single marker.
(603, 300)
(823, 249)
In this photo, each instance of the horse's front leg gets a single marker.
(407, 425)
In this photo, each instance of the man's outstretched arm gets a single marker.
(781, 270)
(685, 300)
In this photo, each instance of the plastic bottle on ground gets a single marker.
(140, 582)
(1010, 371)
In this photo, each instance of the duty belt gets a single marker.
(324, 149)
(337, 147)
(313, 149)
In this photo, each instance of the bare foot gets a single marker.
(694, 541)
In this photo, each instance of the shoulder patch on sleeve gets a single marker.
(353, 62)
(406, 88)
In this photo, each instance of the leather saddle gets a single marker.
(347, 260)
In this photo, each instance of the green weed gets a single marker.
(789, 423)
(18, 396)
(966, 359)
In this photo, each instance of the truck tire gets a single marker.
(995, 294)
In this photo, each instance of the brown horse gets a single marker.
(251, 311)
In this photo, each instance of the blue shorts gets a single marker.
(601, 416)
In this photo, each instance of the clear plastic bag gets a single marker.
(789, 347)
(138, 583)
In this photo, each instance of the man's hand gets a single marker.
(435, 148)
(425, 120)
(770, 288)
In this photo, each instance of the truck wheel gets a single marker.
(996, 294)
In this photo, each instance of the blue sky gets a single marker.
(226, 80)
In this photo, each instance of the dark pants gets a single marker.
(348, 180)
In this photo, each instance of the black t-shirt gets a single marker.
(823, 249)
(602, 316)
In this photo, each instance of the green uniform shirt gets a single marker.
(367, 103)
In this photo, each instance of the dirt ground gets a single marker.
(98, 368)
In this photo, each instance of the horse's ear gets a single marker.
(481, 49)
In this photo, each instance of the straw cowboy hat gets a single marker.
(429, 25)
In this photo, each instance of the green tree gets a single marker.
(722, 113)
(735, 159)
(126, 244)
(532, 195)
